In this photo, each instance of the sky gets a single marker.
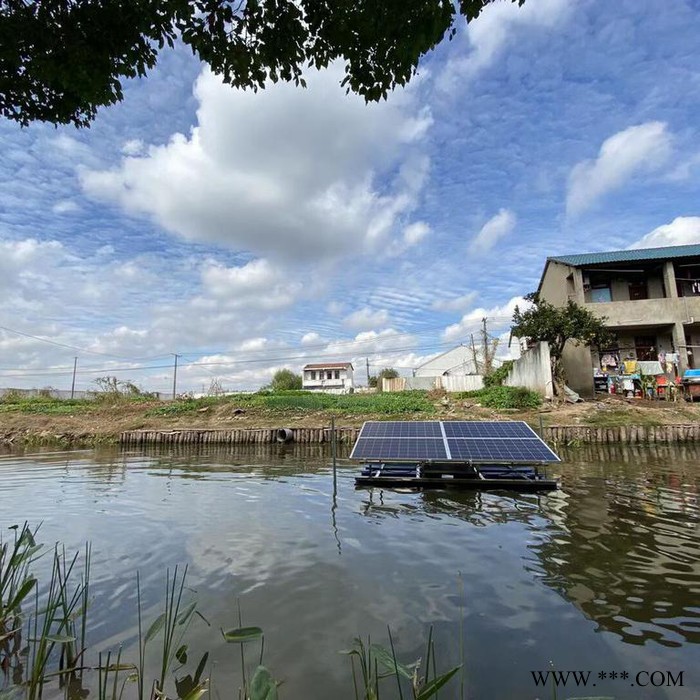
(250, 231)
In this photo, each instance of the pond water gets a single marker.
(602, 575)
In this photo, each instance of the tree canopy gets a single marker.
(60, 60)
(557, 325)
(285, 380)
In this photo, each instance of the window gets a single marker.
(645, 347)
(638, 290)
(600, 293)
(329, 374)
(312, 375)
(337, 374)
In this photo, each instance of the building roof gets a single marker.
(632, 255)
(329, 365)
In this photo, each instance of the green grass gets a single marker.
(44, 405)
(613, 418)
(305, 401)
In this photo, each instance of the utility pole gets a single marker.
(175, 376)
(72, 386)
(485, 340)
(367, 363)
(474, 355)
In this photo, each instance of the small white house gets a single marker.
(329, 377)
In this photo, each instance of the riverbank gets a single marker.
(87, 423)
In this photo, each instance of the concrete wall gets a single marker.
(534, 371)
(452, 384)
(59, 393)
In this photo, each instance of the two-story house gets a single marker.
(331, 377)
(650, 298)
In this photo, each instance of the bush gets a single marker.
(498, 376)
(500, 397)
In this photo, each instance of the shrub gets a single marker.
(501, 397)
(498, 376)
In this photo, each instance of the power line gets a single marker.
(67, 346)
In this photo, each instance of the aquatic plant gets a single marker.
(374, 663)
(44, 646)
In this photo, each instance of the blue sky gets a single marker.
(251, 231)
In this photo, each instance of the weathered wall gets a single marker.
(450, 383)
(533, 370)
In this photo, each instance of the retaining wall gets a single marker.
(559, 435)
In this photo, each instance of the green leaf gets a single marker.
(155, 627)
(22, 593)
(187, 614)
(431, 688)
(386, 659)
(197, 692)
(181, 654)
(243, 634)
(263, 686)
(59, 638)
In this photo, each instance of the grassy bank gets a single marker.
(70, 423)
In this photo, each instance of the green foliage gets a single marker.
(498, 376)
(61, 61)
(309, 401)
(15, 402)
(388, 373)
(500, 397)
(285, 380)
(375, 663)
(559, 324)
(111, 388)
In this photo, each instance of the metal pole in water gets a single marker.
(333, 452)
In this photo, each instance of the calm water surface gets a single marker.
(603, 575)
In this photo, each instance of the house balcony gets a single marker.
(648, 312)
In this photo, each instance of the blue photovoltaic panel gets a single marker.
(401, 448)
(503, 450)
(476, 441)
(401, 429)
(483, 429)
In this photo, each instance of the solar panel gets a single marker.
(399, 448)
(402, 429)
(477, 441)
(495, 450)
(474, 429)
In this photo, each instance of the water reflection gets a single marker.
(616, 550)
(624, 541)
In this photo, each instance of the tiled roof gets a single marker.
(637, 254)
(329, 365)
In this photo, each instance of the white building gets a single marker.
(457, 361)
(330, 377)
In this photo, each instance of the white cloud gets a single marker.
(134, 147)
(461, 303)
(492, 231)
(415, 233)
(312, 338)
(65, 206)
(281, 172)
(255, 285)
(498, 317)
(366, 319)
(681, 231)
(623, 155)
(491, 32)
